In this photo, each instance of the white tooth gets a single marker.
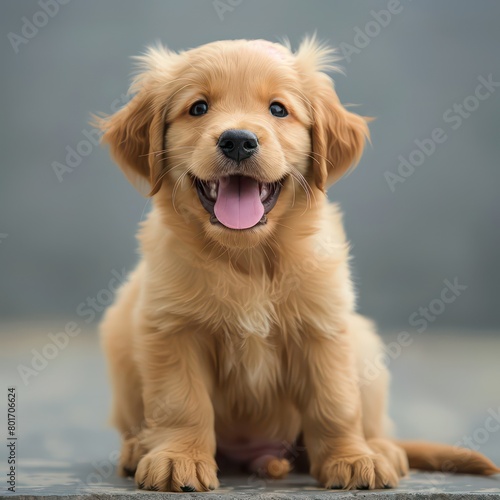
(264, 192)
(213, 190)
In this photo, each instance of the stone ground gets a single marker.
(446, 387)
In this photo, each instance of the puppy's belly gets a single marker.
(246, 450)
(247, 439)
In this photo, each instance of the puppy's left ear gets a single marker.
(338, 136)
(136, 132)
(135, 135)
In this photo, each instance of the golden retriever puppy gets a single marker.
(237, 332)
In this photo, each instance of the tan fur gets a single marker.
(433, 456)
(220, 335)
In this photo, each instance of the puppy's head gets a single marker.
(231, 135)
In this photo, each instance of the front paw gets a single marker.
(131, 453)
(166, 471)
(361, 472)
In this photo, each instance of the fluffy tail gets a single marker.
(446, 458)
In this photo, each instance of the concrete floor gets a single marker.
(445, 387)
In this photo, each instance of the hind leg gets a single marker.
(127, 407)
(374, 387)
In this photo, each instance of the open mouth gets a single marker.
(238, 201)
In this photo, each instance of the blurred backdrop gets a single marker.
(68, 217)
(422, 210)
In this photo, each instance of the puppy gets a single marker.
(237, 332)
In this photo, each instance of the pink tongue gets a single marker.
(238, 204)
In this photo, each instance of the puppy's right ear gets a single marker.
(136, 132)
(133, 133)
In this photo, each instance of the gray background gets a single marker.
(64, 238)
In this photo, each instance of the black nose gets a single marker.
(238, 144)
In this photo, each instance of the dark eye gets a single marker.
(198, 108)
(278, 110)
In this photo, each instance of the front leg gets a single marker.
(329, 400)
(178, 412)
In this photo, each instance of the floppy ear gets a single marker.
(136, 133)
(338, 136)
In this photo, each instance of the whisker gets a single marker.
(304, 98)
(305, 186)
(167, 150)
(164, 174)
(265, 253)
(317, 154)
(166, 156)
(176, 187)
(283, 225)
(298, 177)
